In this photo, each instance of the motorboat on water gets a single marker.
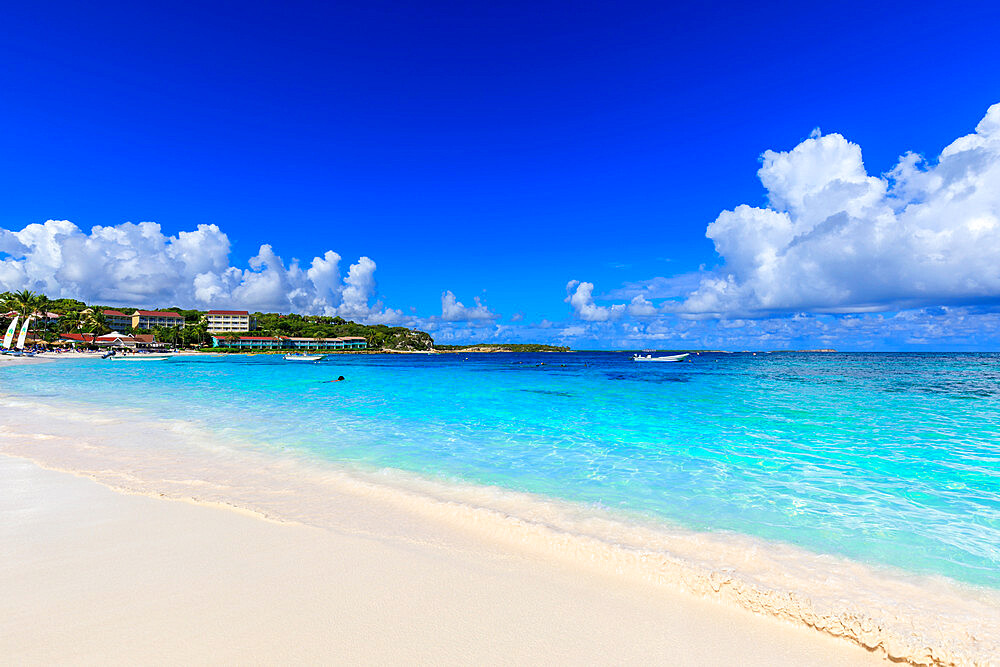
(671, 357)
(138, 357)
(303, 357)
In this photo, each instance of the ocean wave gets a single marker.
(917, 619)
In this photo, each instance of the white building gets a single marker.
(225, 321)
(117, 320)
(147, 319)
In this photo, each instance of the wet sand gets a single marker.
(93, 576)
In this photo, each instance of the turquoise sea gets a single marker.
(888, 459)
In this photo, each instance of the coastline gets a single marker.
(94, 576)
(905, 618)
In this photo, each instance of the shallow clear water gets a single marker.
(886, 458)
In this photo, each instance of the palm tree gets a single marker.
(159, 334)
(95, 322)
(42, 304)
(70, 322)
(24, 302)
(174, 331)
(198, 331)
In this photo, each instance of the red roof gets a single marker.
(157, 313)
(78, 336)
(89, 337)
(227, 312)
(115, 313)
(48, 315)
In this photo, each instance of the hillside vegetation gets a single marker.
(78, 317)
(379, 336)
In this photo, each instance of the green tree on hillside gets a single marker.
(67, 305)
(70, 322)
(195, 334)
(95, 322)
(26, 303)
(166, 335)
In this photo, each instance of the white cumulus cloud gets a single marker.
(641, 307)
(834, 238)
(137, 264)
(580, 296)
(452, 310)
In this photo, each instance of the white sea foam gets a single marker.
(923, 620)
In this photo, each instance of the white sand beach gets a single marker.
(93, 576)
(111, 545)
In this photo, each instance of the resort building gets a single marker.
(250, 342)
(115, 339)
(117, 320)
(47, 317)
(147, 319)
(343, 343)
(286, 343)
(224, 321)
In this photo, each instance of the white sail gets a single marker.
(9, 336)
(24, 333)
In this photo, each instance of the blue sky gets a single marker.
(501, 152)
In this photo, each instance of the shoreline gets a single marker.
(907, 618)
(96, 576)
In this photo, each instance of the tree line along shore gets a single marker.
(53, 318)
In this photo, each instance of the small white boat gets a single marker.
(649, 357)
(139, 357)
(303, 357)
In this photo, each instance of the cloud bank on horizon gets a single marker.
(138, 264)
